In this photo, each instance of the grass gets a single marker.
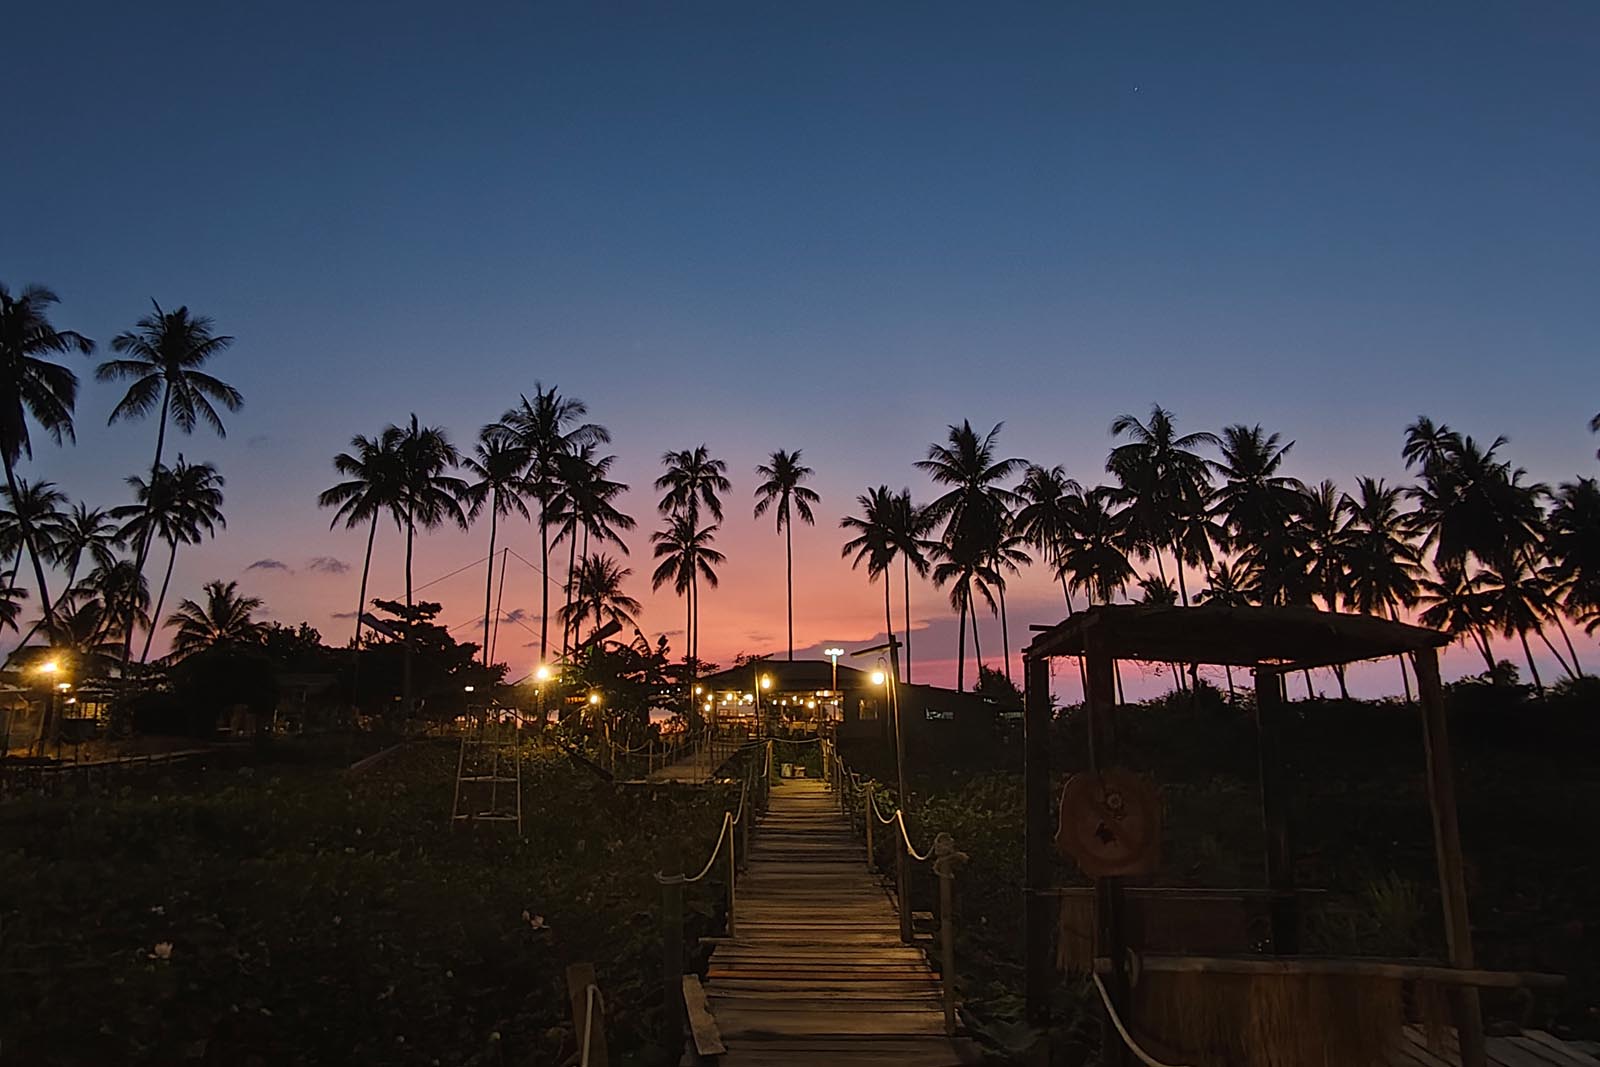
(290, 915)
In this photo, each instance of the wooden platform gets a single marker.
(817, 973)
(1532, 1048)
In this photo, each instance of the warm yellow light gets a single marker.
(811, 703)
(594, 698)
(64, 686)
(49, 666)
(878, 677)
(466, 688)
(697, 690)
(542, 673)
(766, 681)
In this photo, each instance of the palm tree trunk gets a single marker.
(1229, 669)
(569, 628)
(977, 649)
(544, 584)
(488, 581)
(1405, 675)
(1486, 648)
(1310, 694)
(1566, 639)
(1065, 592)
(1344, 690)
(961, 647)
(1005, 638)
(32, 547)
(500, 603)
(788, 555)
(905, 588)
(361, 606)
(888, 623)
(155, 619)
(1532, 669)
(405, 681)
(1559, 658)
(149, 527)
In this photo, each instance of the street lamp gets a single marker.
(594, 699)
(834, 654)
(878, 677)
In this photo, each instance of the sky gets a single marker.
(832, 227)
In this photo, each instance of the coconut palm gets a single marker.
(1229, 585)
(1161, 475)
(1383, 567)
(686, 556)
(1516, 599)
(1094, 553)
(34, 387)
(1572, 543)
(30, 517)
(692, 478)
(1454, 602)
(180, 506)
(907, 527)
(963, 565)
(430, 496)
(163, 356)
(1006, 555)
(599, 594)
(585, 508)
(374, 486)
(548, 427)
(225, 618)
(1327, 570)
(1041, 520)
(783, 492)
(497, 464)
(11, 598)
(874, 543)
(85, 531)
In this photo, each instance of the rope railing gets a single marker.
(591, 998)
(942, 853)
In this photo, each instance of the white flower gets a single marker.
(163, 951)
(158, 910)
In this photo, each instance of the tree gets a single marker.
(179, 506)
(1384, 568)
(498, 463)
(585, 506)
(1046, 496)
(225, 618)
(874, 543)
(686, 556)
(1455, 603)
(1094, 553)
(1006, 555)
(907, 527)
(1260, 510)
(975, 510)
(1572, 543)
(106, 608)
(11, 598)
(1327, 570)
(429, 497)
(783, 489)
(548, 428)
(30, 518)
(1515, 599)
(692, 478)
(374, 485)
(599, 594)
(85, 531)
(1161, 477)
(34, 387)
(1229, 585)
(163, 355)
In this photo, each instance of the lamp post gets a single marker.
(891, 679)
(834, 654)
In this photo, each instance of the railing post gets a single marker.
(902, 884)
(870, 816)
(945, 858)
(747, 818)
(733, 871)
(672, 961)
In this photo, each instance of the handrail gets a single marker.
(591, 997)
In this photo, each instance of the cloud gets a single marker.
(515, 615)
(260, 440)
(342, 615)
(760, 638)
(326, 565)
(269, 565)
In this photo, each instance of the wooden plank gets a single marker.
(1574, 1054)
(1507, 1053)
(702, 1024)
(735, 1023)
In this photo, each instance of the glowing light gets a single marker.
(833, 653)
(466, 688)
(594, 698)
(49, 666)
(878, 677)
(697, 690)
(542, 673)
(766, 681)
(811, 703)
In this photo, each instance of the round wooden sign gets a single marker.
(1110, 823)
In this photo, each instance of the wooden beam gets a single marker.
(1447, 848)
(1039, 916)
(1100, 701)
(1284, 907)
(702, 1024)
(1372, 968)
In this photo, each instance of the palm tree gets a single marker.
(964, 566)
(784, 473)
(429, 497)
(1042, 519)
(599, 593)
(1516, 599)
(374, 485)
(547, 428)
(29, 518)
(224, 619)
(180, 505)
(163, 356)
(692, 478)
(874, 543)
(105, 609)
(1572, 543)
(585, 505)
(1384, 567)
(1260, 509)
(686, 556)
(1161, 475)
(1327, 570)
(32, 385)
(1229, 585)
(907, 527)
(1094, 553)
(975, 511)
(1594, 427)
(1455, 603)
(85, 531)
(498, 464)
(1006, 554)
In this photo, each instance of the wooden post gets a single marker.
(1039, 922)
(868, 820)
(1284, 906)
(1447, 848)
(580, 976)
(733, 873)
(947, 944)
(902, 888)
(671, 961)
(1110, 937)
(747, 818)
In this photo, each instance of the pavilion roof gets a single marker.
(787, 675)
(1291, 637)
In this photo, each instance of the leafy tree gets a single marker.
(783, 492)
(497, 464)
(997, 687)
(31, 386)
(599, 593)
(225, 618)
(548, 428)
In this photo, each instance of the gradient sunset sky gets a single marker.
(833, 227)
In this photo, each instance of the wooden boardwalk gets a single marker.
(816, 973)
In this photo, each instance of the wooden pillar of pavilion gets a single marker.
(1447, 848)
(1283, 904)
(1038, 917)
(1110, 935)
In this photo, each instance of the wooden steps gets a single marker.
(816, 972)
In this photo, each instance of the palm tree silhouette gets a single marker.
(547, 428)
(163, 356)
(85, 531)
(1229, 585)
(1385, 568)
(498, 464)
(179, 506)
(429, 497)
(907, 527)
(225, 618)
(1094, 552)
(1327, 569)
(686, 556)
(11, 599)
(374, 485)
(784, 474)
(874, 543)
(1006, 554)
(106, 608)
(1455, 603)
(1516, 599)
(692, 478)
(963, 565)
(32, 386)
(1260, 510)
(1161, 476)
(1042, 519)
(30, 517)
(1572, 543)
(599, 593)
(585, 506)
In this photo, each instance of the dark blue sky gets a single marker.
(836, 227)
